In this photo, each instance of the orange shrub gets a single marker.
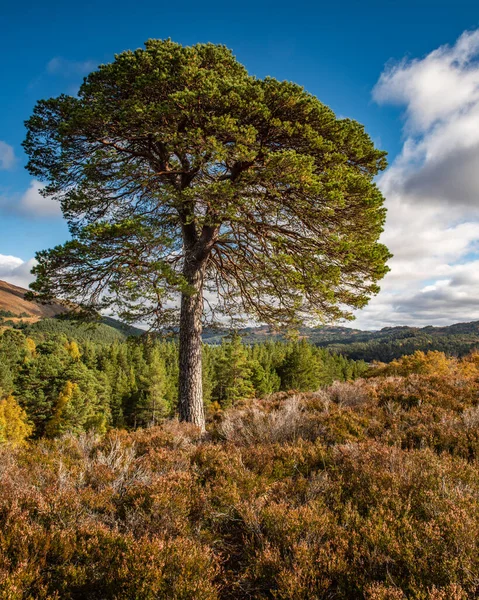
(365, 491)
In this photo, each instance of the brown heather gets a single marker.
(367, 490)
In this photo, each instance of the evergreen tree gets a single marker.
(152, 405)
(301, 370)
(232, 373)
(180, 173)
(68, 414)
(265, 381)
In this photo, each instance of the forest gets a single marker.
(385, 344)
(362, 490)
(393, 342)
(74, 379)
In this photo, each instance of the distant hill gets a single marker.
(383, 345)
(98, 333)
(16, 311)
(126, 330)
(392, 342)
(14, 306)
(256, 335)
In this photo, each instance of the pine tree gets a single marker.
(152, 405)
(233, 373)
(300, 370)
(180, 173)
(60, 421)
(265, 381)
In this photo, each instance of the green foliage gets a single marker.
(74, 385)
(173, 151)
(81, 332)
(74, 413)
(300, 369)
(233, 373)
(393, 342)
(385, 345)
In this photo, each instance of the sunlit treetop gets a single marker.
(173, 157)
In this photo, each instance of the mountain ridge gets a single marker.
(385, 344)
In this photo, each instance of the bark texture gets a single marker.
(191, 384)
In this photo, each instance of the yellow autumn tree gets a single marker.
(420, 363)
(14, 426)
(56, 424)
(73, 350)
(31, 347)
(469, 365)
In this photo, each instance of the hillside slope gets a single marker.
(392, 342)
(365, 491)
(12, 301)
(384, 345)
(15, 310)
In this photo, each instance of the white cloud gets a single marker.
(31, 203)
(7, 156)
(432, 191)
(436, 87)
(63, 67)
(15, 270)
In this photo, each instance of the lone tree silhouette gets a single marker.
(179, 173)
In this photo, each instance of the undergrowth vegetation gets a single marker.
(62, 385)
(365, 490)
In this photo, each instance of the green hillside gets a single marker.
(383, 345)
(100, 333)
(393, 342)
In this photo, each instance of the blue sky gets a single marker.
(338, 51)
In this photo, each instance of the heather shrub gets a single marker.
(366, 490)
(96, 563)
(349, 393)
(253, 424)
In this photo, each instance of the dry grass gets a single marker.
(367, 491)
(12, 300)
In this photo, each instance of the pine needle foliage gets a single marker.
(181, 174)
(172, 151)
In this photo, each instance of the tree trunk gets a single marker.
(190, 380)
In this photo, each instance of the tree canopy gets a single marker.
(180, 173)
(173, 146)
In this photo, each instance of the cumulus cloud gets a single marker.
(436, 87)
(432, 190)
(7, 156)
(15, 270)
(31, 203)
